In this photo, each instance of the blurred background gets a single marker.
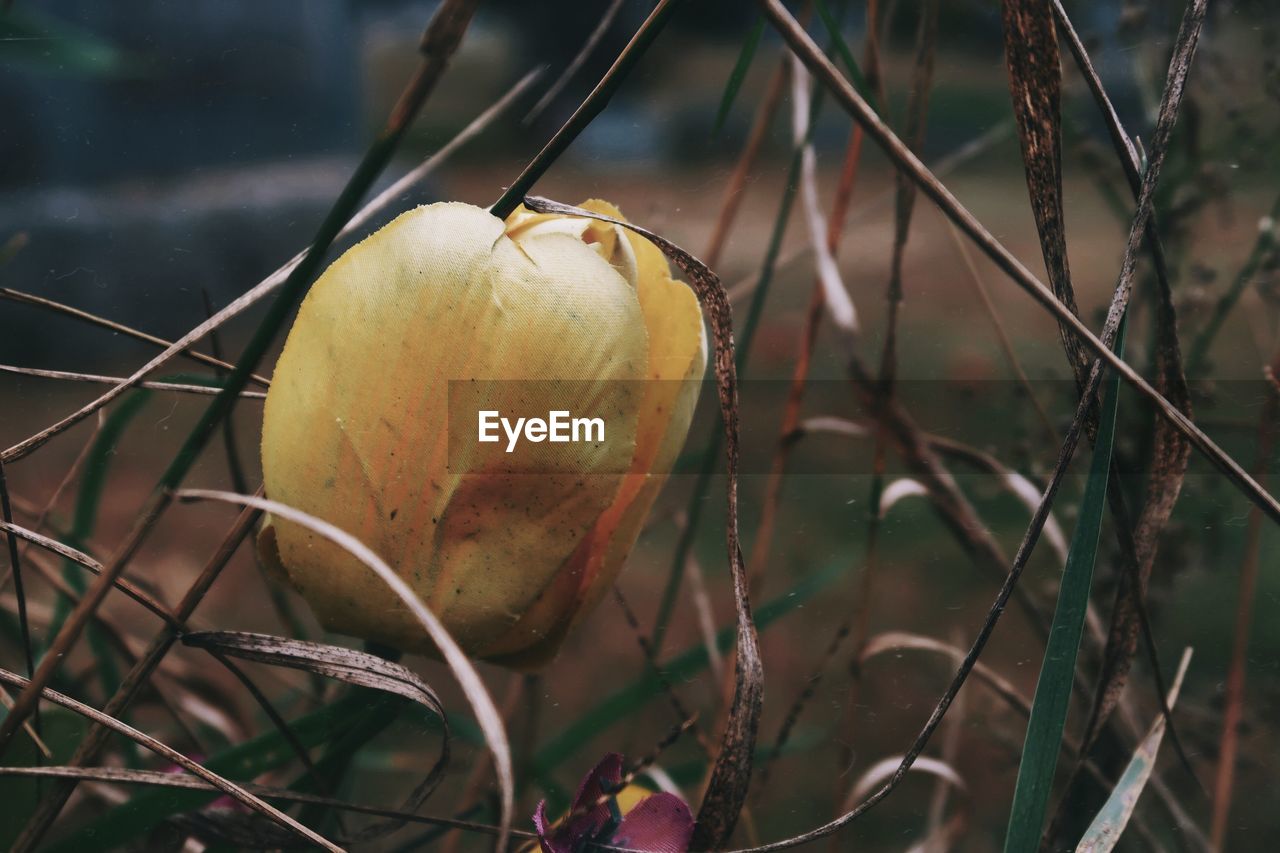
(159, 158)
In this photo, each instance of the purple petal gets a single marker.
(608, 773)
(661, 823)
(589, 813)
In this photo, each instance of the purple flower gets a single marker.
(607, 813)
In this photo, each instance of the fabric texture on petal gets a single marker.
(356, 427)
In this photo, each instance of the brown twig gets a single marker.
(1233, 695)
(734, 187)
(94, 740)
(898, 152)
(122, 329)
(250, 800)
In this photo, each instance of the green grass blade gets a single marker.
(1053, 690)
(739, 73)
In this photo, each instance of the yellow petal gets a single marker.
(356, 428)
(677, 361)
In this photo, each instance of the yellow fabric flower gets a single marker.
(509, 551)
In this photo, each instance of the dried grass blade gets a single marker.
(1170, 447)
(883, 769)
(347, 665)
(80, 558)
(47, 812)
(836, 297)
(227, 787)
(896, 641)
(1035, 82)
(1104, 833)
(337, 662)
(164, 779)
(829, 75)
(903, 487)
(477, 694)
(731, 775)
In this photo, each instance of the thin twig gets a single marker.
(227, 787)
(130, 688)
(120, 328)
(1233, 699)
(180, 387)
(591, 107)
(848, 97)
(588, 47)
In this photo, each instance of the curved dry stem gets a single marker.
(487, 716)
(884, 768)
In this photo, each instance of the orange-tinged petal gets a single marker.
(356, 428)
(677, 361)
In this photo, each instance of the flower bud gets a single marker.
(540, 313)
